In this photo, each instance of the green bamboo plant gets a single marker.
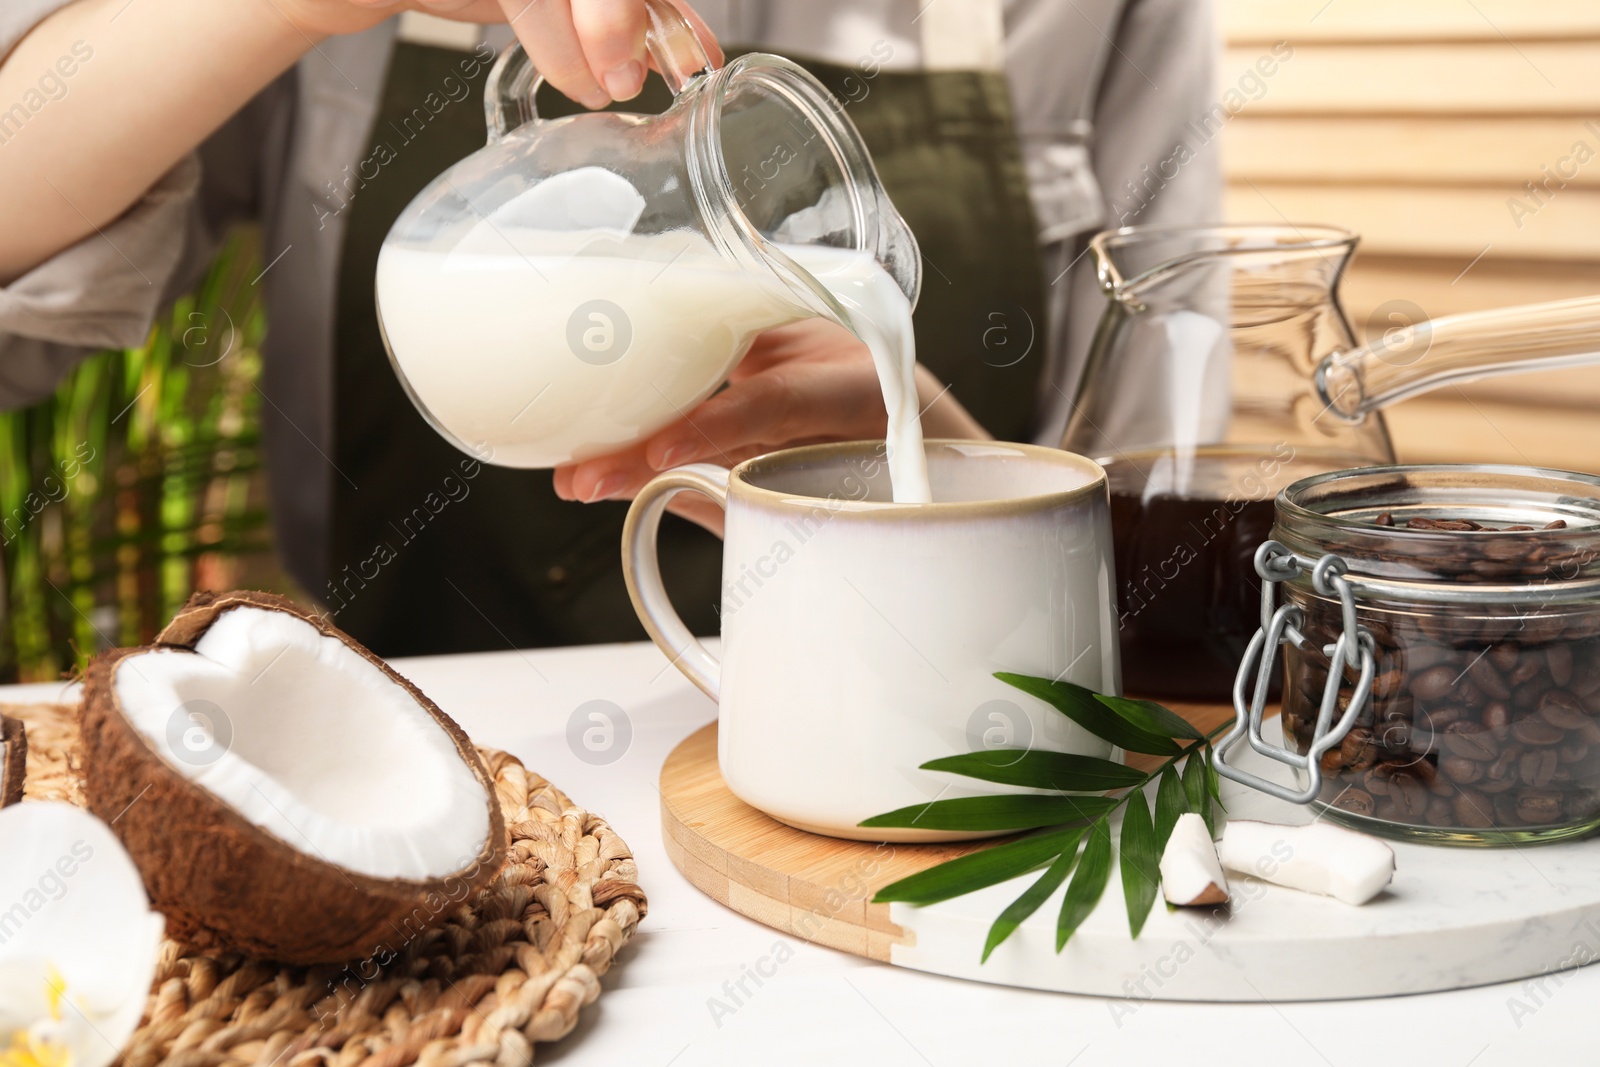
(1072, 812)
(138, 481)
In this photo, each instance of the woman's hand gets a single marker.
(591, 50)
(806, 382)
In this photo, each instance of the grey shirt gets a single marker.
(1104, 91)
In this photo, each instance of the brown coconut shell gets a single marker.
(13, 760)
(224, 883)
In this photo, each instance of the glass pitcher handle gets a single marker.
(1477, 344)
(513, 81)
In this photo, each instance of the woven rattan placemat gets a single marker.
(512, 968)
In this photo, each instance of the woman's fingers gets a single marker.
(752, 412)
(546, 30)
(692, 506)
(611, 33)
(617, 475)
(591, 50)
(746, 419)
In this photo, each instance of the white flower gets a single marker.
(78, 941)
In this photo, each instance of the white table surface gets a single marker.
(821, 1006)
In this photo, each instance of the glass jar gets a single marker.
(1457, 611)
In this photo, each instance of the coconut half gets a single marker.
(13, 760)
(282, 790)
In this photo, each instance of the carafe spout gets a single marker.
(1415, 359)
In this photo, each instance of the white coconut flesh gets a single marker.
(327, 753)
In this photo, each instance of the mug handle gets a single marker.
(641, 569)
(513, 81)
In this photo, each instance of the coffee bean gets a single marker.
(1424, 742)
(1532, 731)
(1561, 709)
(1581, 804)
(1355, 801)
(1357, 750)
(1460, 770)
(1540, 627)
(1506, 657)
(1433, 683)
(1473, 809)
(1378, 779)
(1394, 739)
(1382, 636)
(1580, 628)
(1422, 769)
(1470, 740)
(1384, 519)
(1485, 677)
(1525, 671)
(1505, 810)
(1387, 684)
(1537, 767)
(1419, 657)
(1441, 812)
(1539, 806)
(1444, 715)
(1559, 658)
(1586, 682)
(1443, 524)
(1572, 752)
(1526, 696)
(1410, 795)
(1559, 524)
(1504, 765)
(1497, 717)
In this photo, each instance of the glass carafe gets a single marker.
(580, 283)
(1223, 370)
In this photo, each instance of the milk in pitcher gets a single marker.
(552, 357)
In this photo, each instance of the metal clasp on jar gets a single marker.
(1281, 625)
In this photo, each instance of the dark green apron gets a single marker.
(434, 553)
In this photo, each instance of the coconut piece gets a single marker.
(282, 790)
(13, 760)
(1319, 858)
(1190, 873)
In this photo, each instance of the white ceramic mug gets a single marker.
(860, 637)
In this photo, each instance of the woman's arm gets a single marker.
(151, 79)
(146, 89)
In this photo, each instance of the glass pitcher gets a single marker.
(580, 283)
(1223, 369)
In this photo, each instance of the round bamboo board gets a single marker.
(1452, 918)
